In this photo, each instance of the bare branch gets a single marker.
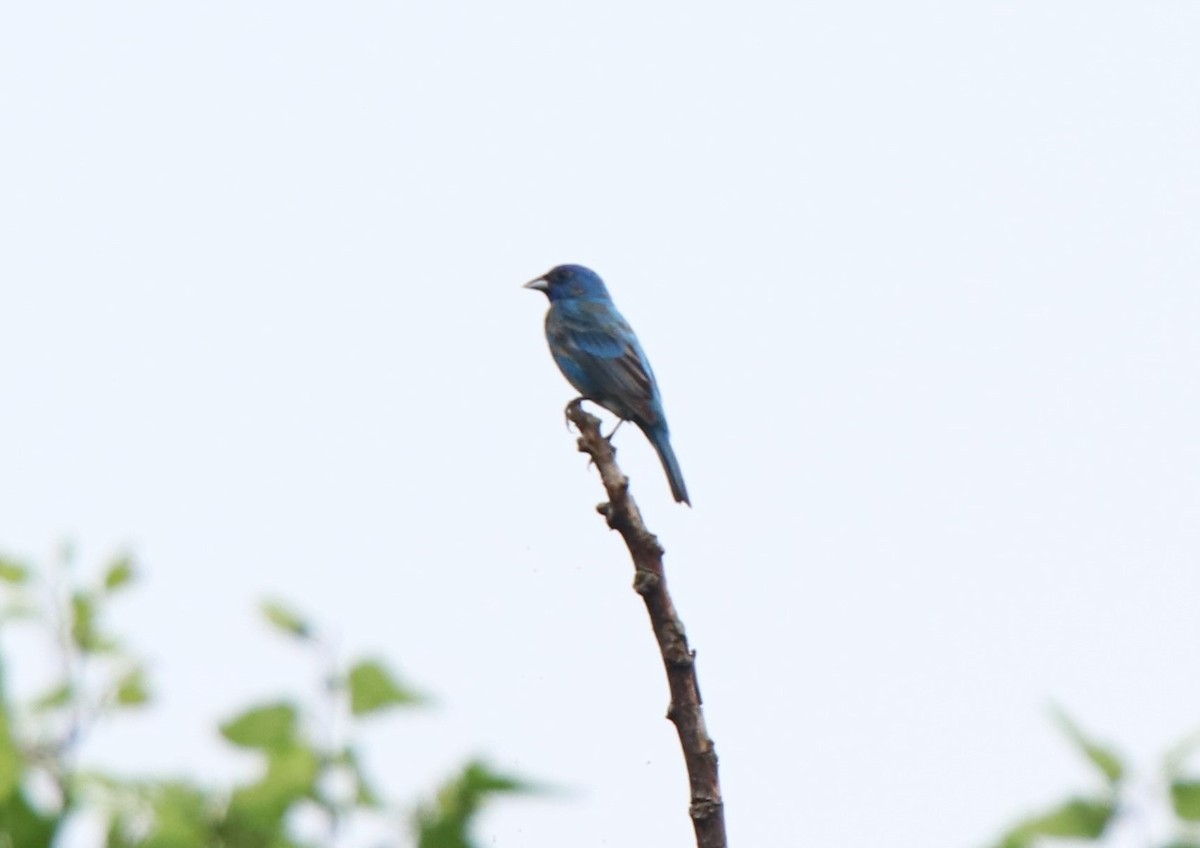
(649, 581)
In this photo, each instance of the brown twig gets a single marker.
(649, 581)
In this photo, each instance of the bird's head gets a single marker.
(563, 282)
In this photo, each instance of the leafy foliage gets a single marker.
(297, 773)
(1103, 758)
(1079, 818)
(1185, 796)
(118, 574)
(372, 688)
(271, 728)
(286, 620)
(444, 822)
(12, 571)
(10, 760)
(1089, 818)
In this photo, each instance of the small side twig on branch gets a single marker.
(622, 514)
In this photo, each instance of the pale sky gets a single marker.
(921, 286)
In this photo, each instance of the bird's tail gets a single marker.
(662, 443)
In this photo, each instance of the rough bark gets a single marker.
(650, 581)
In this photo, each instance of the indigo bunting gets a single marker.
(599, 355)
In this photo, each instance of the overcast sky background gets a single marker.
(921, 285)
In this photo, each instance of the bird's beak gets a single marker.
(539, 284)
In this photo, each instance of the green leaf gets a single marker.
(10, 758)
(479, 780)
(260, 807)
(57, 697)
(293, 773)
(446, 822)
(23, 826)
(286, 620)
(13, 572)
(120, 573)
(1076, 819)
(372, 689)
(181, 815)
(271, 727)
(132, 689)
(1185, 797)
(83, 621)
(1102, 757)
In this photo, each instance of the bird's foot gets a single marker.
(609, 437)
(569, 408)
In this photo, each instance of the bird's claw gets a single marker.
(573, 405)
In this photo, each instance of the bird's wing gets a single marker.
(600, 355)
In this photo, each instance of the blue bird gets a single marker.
(597, 352)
